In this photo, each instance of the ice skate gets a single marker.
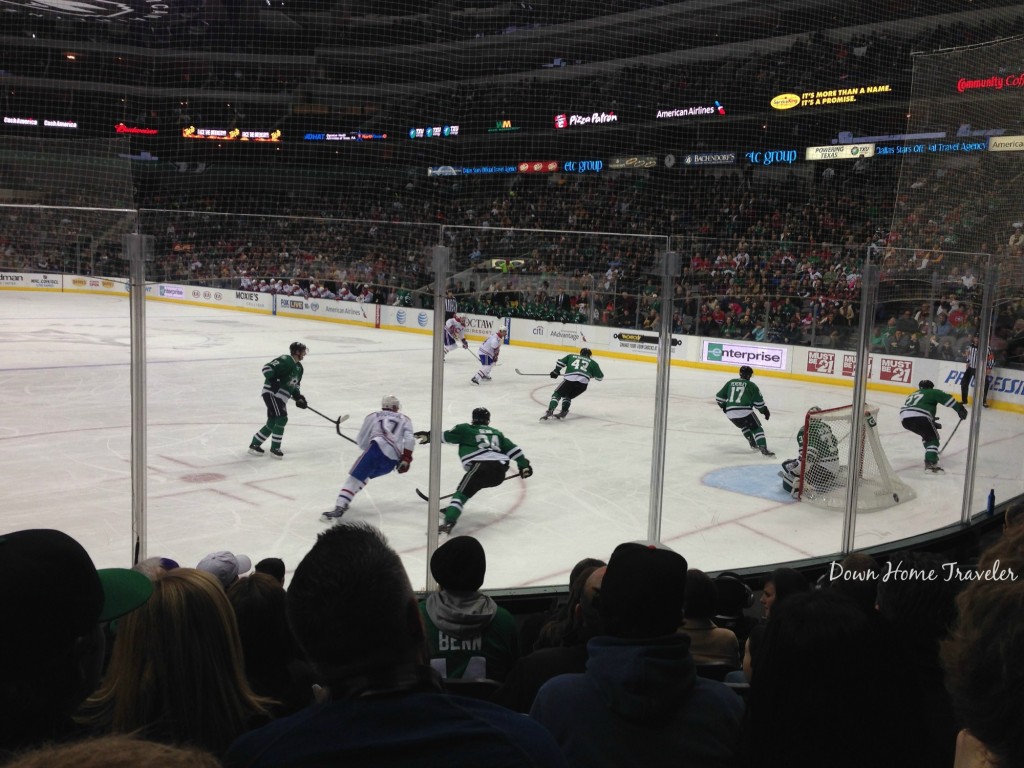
(766, 452)
(485, 377)
(256, 450)
(753, 444)
(547, 415)
(334, 514)
(277, 453)
(932, 466)
(446, 526)
(475, 380)
(561, 415)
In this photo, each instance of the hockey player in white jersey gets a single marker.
(387, 441)
(489, 352)
(454, 333)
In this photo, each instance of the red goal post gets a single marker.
(825, 470)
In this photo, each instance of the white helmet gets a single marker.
(390, 403)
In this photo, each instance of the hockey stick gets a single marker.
(424, 496)
(521, 373)
(476, 357)
(336, 422)
(951, 436)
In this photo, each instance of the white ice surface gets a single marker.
(65, 447)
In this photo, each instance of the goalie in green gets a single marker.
(819, 462)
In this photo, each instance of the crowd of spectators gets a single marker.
(775, 257)
(347, 665)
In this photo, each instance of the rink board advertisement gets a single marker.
(891, 372)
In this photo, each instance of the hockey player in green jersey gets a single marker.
(485, 453)
(738, 399)
(822, 457)
(918, 416)
(577, 370)
(281, 379)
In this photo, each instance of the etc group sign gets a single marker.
(727, 353)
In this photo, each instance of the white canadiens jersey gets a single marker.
(390, 430)
(492, 346)
(455, 329)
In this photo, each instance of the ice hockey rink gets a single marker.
(65, 446)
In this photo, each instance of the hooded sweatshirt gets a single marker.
(469, 635)
(640, 702)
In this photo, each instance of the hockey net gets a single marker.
(825, 471)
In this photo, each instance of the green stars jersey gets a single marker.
(478, 442)
(822, 445)
(579, 368)
(282, 376)
(925, 401)
(739, 398)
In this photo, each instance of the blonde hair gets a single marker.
(115, 752)
(176, 672)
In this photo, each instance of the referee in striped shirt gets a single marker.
(451, 305)
(971, 354)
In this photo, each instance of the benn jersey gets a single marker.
(578, 368)
(924, 402)
(822, 445)
(282, 376)
(482, 443)
(739, 398)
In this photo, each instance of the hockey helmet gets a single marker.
(501, 332)
(746, 372)
(390, 403)
(925, 384)
(585, 352)
(813, 409)
(298, 348)
(481, 416)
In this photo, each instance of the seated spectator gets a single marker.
(273, 665)
(555, 624)
(709, 643)
(176, 673)
(118, 751)
(54, 603)
(734, 598)
(921, 612)
(570, 655)
(856, 576)
(355, 615)
(981, 658)
(640, 701)
(779, 585)
(272, 566)
(226, 566)
(469, 635)
(155, 567)
(828, 689)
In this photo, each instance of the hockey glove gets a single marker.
(936, 424)
(403, 465)
(767, 414)
(465, 344)
(525, 471)
(422, 437)
(960, 411)
(554, 374)
(300, 402)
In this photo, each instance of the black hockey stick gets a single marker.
(336, 422)
(424, 496)
(951, 436)
(523, 373)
